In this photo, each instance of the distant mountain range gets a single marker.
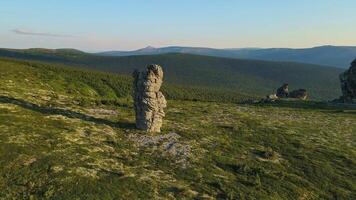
(336, 56)
(250, 77)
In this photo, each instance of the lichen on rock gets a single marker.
(149, 101)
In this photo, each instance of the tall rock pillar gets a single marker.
(348, 84)
(149, 101)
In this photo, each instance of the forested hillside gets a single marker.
(243, 76)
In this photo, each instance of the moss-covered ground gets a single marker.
(55, 145)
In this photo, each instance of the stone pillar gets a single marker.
(348, 84)
(149, 102)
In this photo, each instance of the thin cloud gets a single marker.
(21, 32)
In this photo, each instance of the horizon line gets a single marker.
(172, 46)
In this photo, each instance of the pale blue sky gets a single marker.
(130, 24)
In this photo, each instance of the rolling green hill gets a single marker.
(256, 78)
(69, 134)
(87, 84)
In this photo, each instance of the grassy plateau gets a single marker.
(68, 133)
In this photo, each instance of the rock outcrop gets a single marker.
(299, 94)
(149, 102)
(348, 84)
(282, 92)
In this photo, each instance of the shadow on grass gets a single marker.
(66, 113)
(311, 105)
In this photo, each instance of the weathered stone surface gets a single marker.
(282, 92)
(348, 84)
(149, 102)
(299, 94)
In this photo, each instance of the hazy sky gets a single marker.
(129, 24)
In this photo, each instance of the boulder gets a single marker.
(149, 101)
(348, 84)
(282, 92)
(272, 97)
(299, 94)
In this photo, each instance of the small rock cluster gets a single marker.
(283, 92)
(153, 140)
(348, 84)
(168, 144)
(149, 102)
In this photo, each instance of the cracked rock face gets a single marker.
(149, 102)
(348, 84)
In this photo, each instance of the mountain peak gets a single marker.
(149, 47)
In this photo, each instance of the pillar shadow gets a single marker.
(66, 113)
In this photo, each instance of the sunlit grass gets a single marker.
(56, 144)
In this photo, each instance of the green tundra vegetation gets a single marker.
(243, 76)
(68, 133)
